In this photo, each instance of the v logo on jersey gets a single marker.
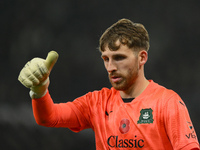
(146, 116)
(107, 113)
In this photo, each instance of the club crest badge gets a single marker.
(146, 116)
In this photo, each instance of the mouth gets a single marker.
(115, 79)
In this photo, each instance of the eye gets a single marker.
(106, 59)
(119, 57)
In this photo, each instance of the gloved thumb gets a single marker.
(51, 59)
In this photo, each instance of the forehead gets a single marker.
(123, 50)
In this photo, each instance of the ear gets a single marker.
(143, 57)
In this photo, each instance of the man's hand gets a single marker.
(35, 74)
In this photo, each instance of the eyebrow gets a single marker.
(114, 55)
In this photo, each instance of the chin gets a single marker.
(120, 87)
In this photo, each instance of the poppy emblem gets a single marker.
(124, 126)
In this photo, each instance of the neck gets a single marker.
(136, 89)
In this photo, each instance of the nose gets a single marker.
(111, 66)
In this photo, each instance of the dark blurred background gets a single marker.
(72, 28)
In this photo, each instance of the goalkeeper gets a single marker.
(135, 113)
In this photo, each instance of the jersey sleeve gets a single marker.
(178, 125)
(49, 114)
(75, 115)
(82, 108)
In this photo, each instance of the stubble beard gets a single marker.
(127, 80)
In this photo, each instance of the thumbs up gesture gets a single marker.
(35, 74)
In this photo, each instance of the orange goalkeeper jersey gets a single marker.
(157, 119)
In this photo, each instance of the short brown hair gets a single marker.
(134, 35)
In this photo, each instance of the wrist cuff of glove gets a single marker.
(40, 90)
(34, 95)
